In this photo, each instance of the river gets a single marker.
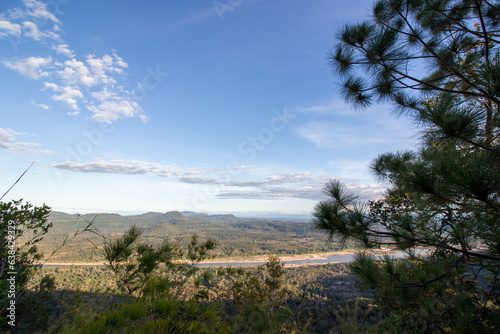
(312, 259)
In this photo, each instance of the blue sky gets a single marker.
(223, 106)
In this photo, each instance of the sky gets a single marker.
(225, 106)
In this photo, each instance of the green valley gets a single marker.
(235, 237)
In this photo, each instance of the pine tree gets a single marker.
(437, 62)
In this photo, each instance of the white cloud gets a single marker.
(67, 94)
(7, 136)
(8, 142)
(31, 30)
(93, 82)
(280, 185)
(8, 28)
(63, 49)
(106, 94)
(34, 9)
(303, 185)
(117, 167)
(284, 178)
(109, 111)
(31, 19)
(32, 67)
(144, 118)
(217, 176)
(367, 192)
(41, 105)
(314, 192)
(76, 73)
(103, 68)
(51, 85)
(119, 61)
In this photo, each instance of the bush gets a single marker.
(22, 226)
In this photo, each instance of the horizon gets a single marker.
(245, 215)
(132, 107)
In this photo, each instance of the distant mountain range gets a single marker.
(235, 236)
(266, 216)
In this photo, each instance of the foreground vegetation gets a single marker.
(316, 299)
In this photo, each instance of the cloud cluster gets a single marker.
(137, 167)
(243, 182)
(91, 82)
(285, 178)
(118, 167)
(8, 142)
(312, 191)
(31, 67)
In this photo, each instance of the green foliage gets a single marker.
(22, 226)
(47, 284)
(381, 59)
(256, 299)
(253, 301)
(305, 301)
(392, 324)
(353, 319)
(147, 316)
(142, 268)
(263, 285)
(257, 318)
(439, 63)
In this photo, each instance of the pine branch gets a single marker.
(422, 284)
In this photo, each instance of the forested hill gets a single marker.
(183, 222)
(234, 236)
